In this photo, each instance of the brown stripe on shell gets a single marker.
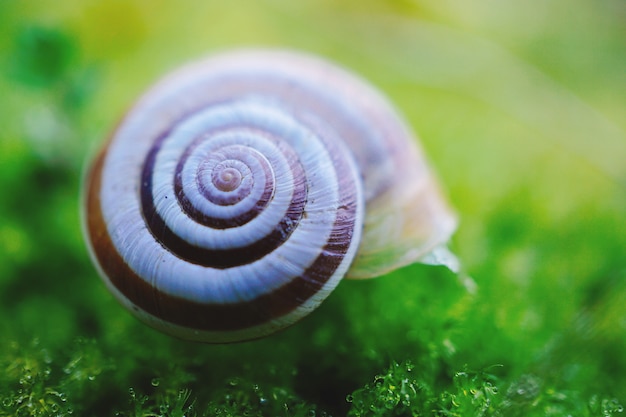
(218, 317)
(226, 258)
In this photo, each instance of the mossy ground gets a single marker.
(519, 106)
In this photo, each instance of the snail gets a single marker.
(240, 189)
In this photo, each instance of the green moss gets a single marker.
(36, 381)
(404, 390)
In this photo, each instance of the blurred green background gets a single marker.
(521, 108)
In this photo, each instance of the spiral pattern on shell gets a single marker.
(229, 202)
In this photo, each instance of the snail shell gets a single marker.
(239, 190)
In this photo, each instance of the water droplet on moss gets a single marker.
(390, 404)
(349, 398)
(155, 382)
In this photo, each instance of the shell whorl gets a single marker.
(230, 200)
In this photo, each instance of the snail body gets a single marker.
(239, 190)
